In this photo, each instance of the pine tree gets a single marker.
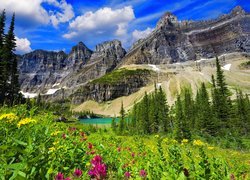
(242, 113)
(222, 97)
(145, 114)
(2, 64)
(10, 73)
(206, 120)
(122, 119)
(188, 110)
(163, 111)
(113, 125)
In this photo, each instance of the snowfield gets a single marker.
(29, 95)
(227, 67)
(51, 91)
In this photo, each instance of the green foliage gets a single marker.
(119, 75)
(150, 115)
(9, 85)
(39, 148)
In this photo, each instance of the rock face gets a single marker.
(174, 41)
(43, 70)
(113, 85)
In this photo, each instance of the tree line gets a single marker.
(207, 113)
(9, 85)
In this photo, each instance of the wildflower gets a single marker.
(165, 140)
(133, 154)
(72, 128)
(99, 169)
(198, 143)
(51, 149)
(232, 177)
(127, 174)
(96, 160)
(174, 141)
(82, 134)
(210, 147)
(59, 176)
(157, 136)
(25, 121)
(68, 178)
(55, 133)
(90, 146)
(184, 141)
(55, 143)
(119, 149)
(64, 136)
(9, 117)
(143, 173)
(78, 173)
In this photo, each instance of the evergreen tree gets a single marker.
(243, 113)
(163, 111)
(2, 63)
(222, 96)
(10, 86)
(188, 110)
(205, 120)
(122, 119)
(145, 114)
(113, 125)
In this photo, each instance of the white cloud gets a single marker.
(103, 21)
(61, 17)
(23, 45)
(141, 34)
(33, 12)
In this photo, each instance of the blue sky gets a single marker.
(60, 24)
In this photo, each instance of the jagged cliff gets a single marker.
(47, 72)
(175, 41)
(118, 83)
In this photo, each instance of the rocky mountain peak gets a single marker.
(79, 54)
(111, 48)
(168, 19)
(238, 10)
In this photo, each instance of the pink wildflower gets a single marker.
(143, 173)
(59, 176)
(78, 173)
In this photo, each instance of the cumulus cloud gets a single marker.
(60, 17)
(33, 12)
(22, 45)
(141, 34)
(105, 21)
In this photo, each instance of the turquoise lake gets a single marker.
(97, 121)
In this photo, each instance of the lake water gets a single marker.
(97, 121)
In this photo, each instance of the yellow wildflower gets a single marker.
(157, 136)
(55, 143)
(9, 117)
(210, 147)
(51, 149)
(25, 121)
(198, 143)
(184, 141)
(55, 133)
(165, 140)
(174, 141)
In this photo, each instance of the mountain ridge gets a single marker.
(171, 41)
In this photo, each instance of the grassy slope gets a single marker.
(175, 77)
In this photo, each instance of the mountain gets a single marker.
(178, 41)
(45, 71)
(84, 74)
